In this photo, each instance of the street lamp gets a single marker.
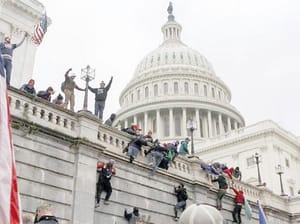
(257, 161)
(191, 126)
(87, 74)
(280, 170)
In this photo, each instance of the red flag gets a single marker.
(9, 197)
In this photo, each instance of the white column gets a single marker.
(221, 129)
(209, 124)
(198, 131)
(235, 125)
(146, 122)
(229, 123)
(157, 124)
(126, 123)
(184, 131)
(171, 122)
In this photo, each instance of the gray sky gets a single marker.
(253, 46)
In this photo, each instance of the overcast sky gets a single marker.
(253, 46)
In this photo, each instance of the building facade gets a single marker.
(175, 85)
(18, 17)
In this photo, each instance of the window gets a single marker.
(155, 90)
(176, 88)
(196, 89)
(287, 163)
(165, 88)
(138, 94)
(177, 126)
(146, 92)
(219, 94)
(213, 92)
(166, 125)
(205, 90)
(186, 88)
(131, 97)
(154, 125)
(250, 161)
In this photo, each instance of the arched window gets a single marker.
(186, 88)
(146, 92)
(213, 92)
(131, 97)
(196, 89)
(138, 94)
(165, 88)
(155, 90)
(219, 94)
(177, 126)
(166, 125)
(176, 90)
(205, 90)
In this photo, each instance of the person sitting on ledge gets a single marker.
(29, 87)
(46, 95)
(59, 100)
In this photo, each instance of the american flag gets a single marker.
(261, 215)
(9, 197)
(39, 30)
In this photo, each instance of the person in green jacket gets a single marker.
(184, 147)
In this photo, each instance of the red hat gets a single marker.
(136, 127)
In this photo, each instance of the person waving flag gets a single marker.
(40, 29)
(9, 197)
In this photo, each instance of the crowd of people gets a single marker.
(158, 155)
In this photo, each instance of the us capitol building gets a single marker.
(173, 89)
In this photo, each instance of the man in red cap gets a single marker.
(7, 53)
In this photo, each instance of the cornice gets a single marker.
(32, 7)
(239, 137)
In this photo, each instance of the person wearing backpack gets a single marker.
(182, 196)
(68, 87)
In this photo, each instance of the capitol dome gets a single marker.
(175, 86)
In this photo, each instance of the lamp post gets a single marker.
(191, 126)
(87, 74)
(257, 161)
(280, 170)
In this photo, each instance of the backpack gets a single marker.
(184, 195)
(62, 86)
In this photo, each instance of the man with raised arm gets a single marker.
(7, 53)
(68, 87)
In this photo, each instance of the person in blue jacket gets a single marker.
(7, 53)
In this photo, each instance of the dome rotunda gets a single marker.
(174, 85)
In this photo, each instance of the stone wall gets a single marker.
(57, 151)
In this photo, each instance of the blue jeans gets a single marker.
(8, 67)
(99, 108)
(179, 205)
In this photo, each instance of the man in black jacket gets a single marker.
(182, 196)
(100, 97)
(103, 184)
(222, 189)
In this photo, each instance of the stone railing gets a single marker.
(83, 125)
